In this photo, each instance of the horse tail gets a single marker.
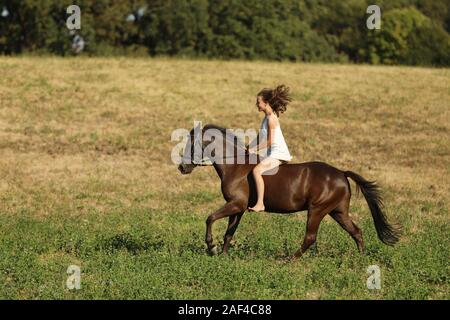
(387, 233)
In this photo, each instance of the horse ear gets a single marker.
(197, 141)
(197, 134)
(197, 130)
(197, 126)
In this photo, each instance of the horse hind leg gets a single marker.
(342, 217)
(315, 216)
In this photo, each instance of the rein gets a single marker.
(204, 161)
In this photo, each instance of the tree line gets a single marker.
(413, 32)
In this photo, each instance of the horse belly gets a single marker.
(281, 198)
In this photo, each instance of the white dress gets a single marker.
(278, 148)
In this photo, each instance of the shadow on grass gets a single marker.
(130, 243)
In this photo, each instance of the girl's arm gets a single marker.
(266, 143)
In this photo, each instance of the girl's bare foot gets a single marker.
(257, 208)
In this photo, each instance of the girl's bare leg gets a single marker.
(265, 165)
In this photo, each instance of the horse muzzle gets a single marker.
(185, 169)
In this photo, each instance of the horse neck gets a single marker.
(220, 169)
(223, 169)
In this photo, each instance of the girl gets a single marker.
(272, 102)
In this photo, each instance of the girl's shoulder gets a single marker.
(273, 119)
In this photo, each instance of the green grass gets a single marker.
(139, 253)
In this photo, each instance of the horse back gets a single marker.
(295, 185)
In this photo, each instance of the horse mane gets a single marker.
(224, 132)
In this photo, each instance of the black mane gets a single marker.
(237, 141)
(224, 132)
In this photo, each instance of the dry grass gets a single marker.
(65, 123)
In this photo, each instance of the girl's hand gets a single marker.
(251, 150)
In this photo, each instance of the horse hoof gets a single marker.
(213, 251)
(294, 258)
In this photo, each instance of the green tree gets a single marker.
(176, 27)
(428, 45)
(413, 31)
(389, 45)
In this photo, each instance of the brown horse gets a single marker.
(314, 186)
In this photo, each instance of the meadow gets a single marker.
(86, 179)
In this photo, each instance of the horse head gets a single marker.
(208, 145)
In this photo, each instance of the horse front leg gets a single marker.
(227, 210)
(233, 223)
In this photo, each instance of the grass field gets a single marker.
(86, 179)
